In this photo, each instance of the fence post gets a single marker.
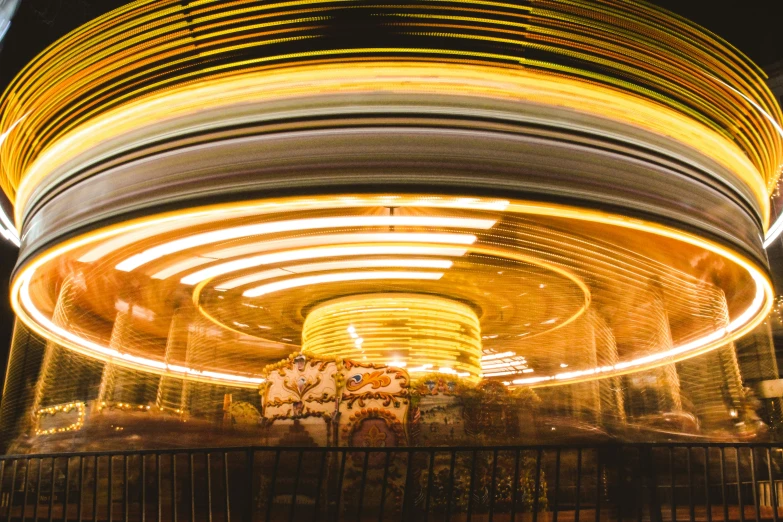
(250, 503)
(648, 470)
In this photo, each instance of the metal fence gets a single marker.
(547, 483)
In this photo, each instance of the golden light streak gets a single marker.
(120, 236)
(442, 264)
(753, 315)
(352, 79)
(331, 251)
(283, 244)
(258, 291)
(745, 322)
(275, 227)
(377, 328)
(49, 330)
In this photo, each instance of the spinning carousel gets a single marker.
(362, 224)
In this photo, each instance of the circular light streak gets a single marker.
(284, 276)
(420, 332)
(739, 324)
(631, 49)
(118, 126)
(463, 96)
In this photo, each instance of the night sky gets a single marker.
(753, 26)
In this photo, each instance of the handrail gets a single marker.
(655, 481)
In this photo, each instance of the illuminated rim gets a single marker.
(497, 252)
(155, 45)
(415, 78)
(357, 327)
(738, 326)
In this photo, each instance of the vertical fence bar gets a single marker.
(754, 484)
(491, 487)
(597, 485)
(125, 488)
(2, 477)
(37, 490)
(773, 494)
(109, 488)
(639, 490)
(191, 472)
(68, 489)
(12, 491)
(296, 487)
(537, 488)
(654, 506)
(208, 460)
(739, 485)
(723, 484)
(618, 460)
(365, 464)
(429, 487)
(81, 490)
(173, 487)
(143, 475)
(578, 483)
(672, 485)
(472, 488)
(691, 500)
(451, 488)
(227, 485)
(250, 501)
(707, 500)
(158, 488)
(406, 492)
(319, 487)
(383, 485)
(271, 498)
(24, 491)
(95, 491)
(340, 486)
(556, 496)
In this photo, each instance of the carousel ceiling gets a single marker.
(558, 294)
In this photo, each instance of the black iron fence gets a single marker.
(548, 484)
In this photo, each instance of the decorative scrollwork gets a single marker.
(375, 379)
(388, 398)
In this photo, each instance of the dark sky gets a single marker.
(753, 26)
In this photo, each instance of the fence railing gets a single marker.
(659, 483)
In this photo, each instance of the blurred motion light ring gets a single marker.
(622, 156)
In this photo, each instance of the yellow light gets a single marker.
(121, 235)
(11, 233)
(181, 266)
(275, 227)
(79, 344)
(339, 277)
(287, 244)
(318, 240)
(337, 251)
(493, 356)
(740, 324)
(442, 264)
(64, 408)
(417, 331)
(469, 80)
